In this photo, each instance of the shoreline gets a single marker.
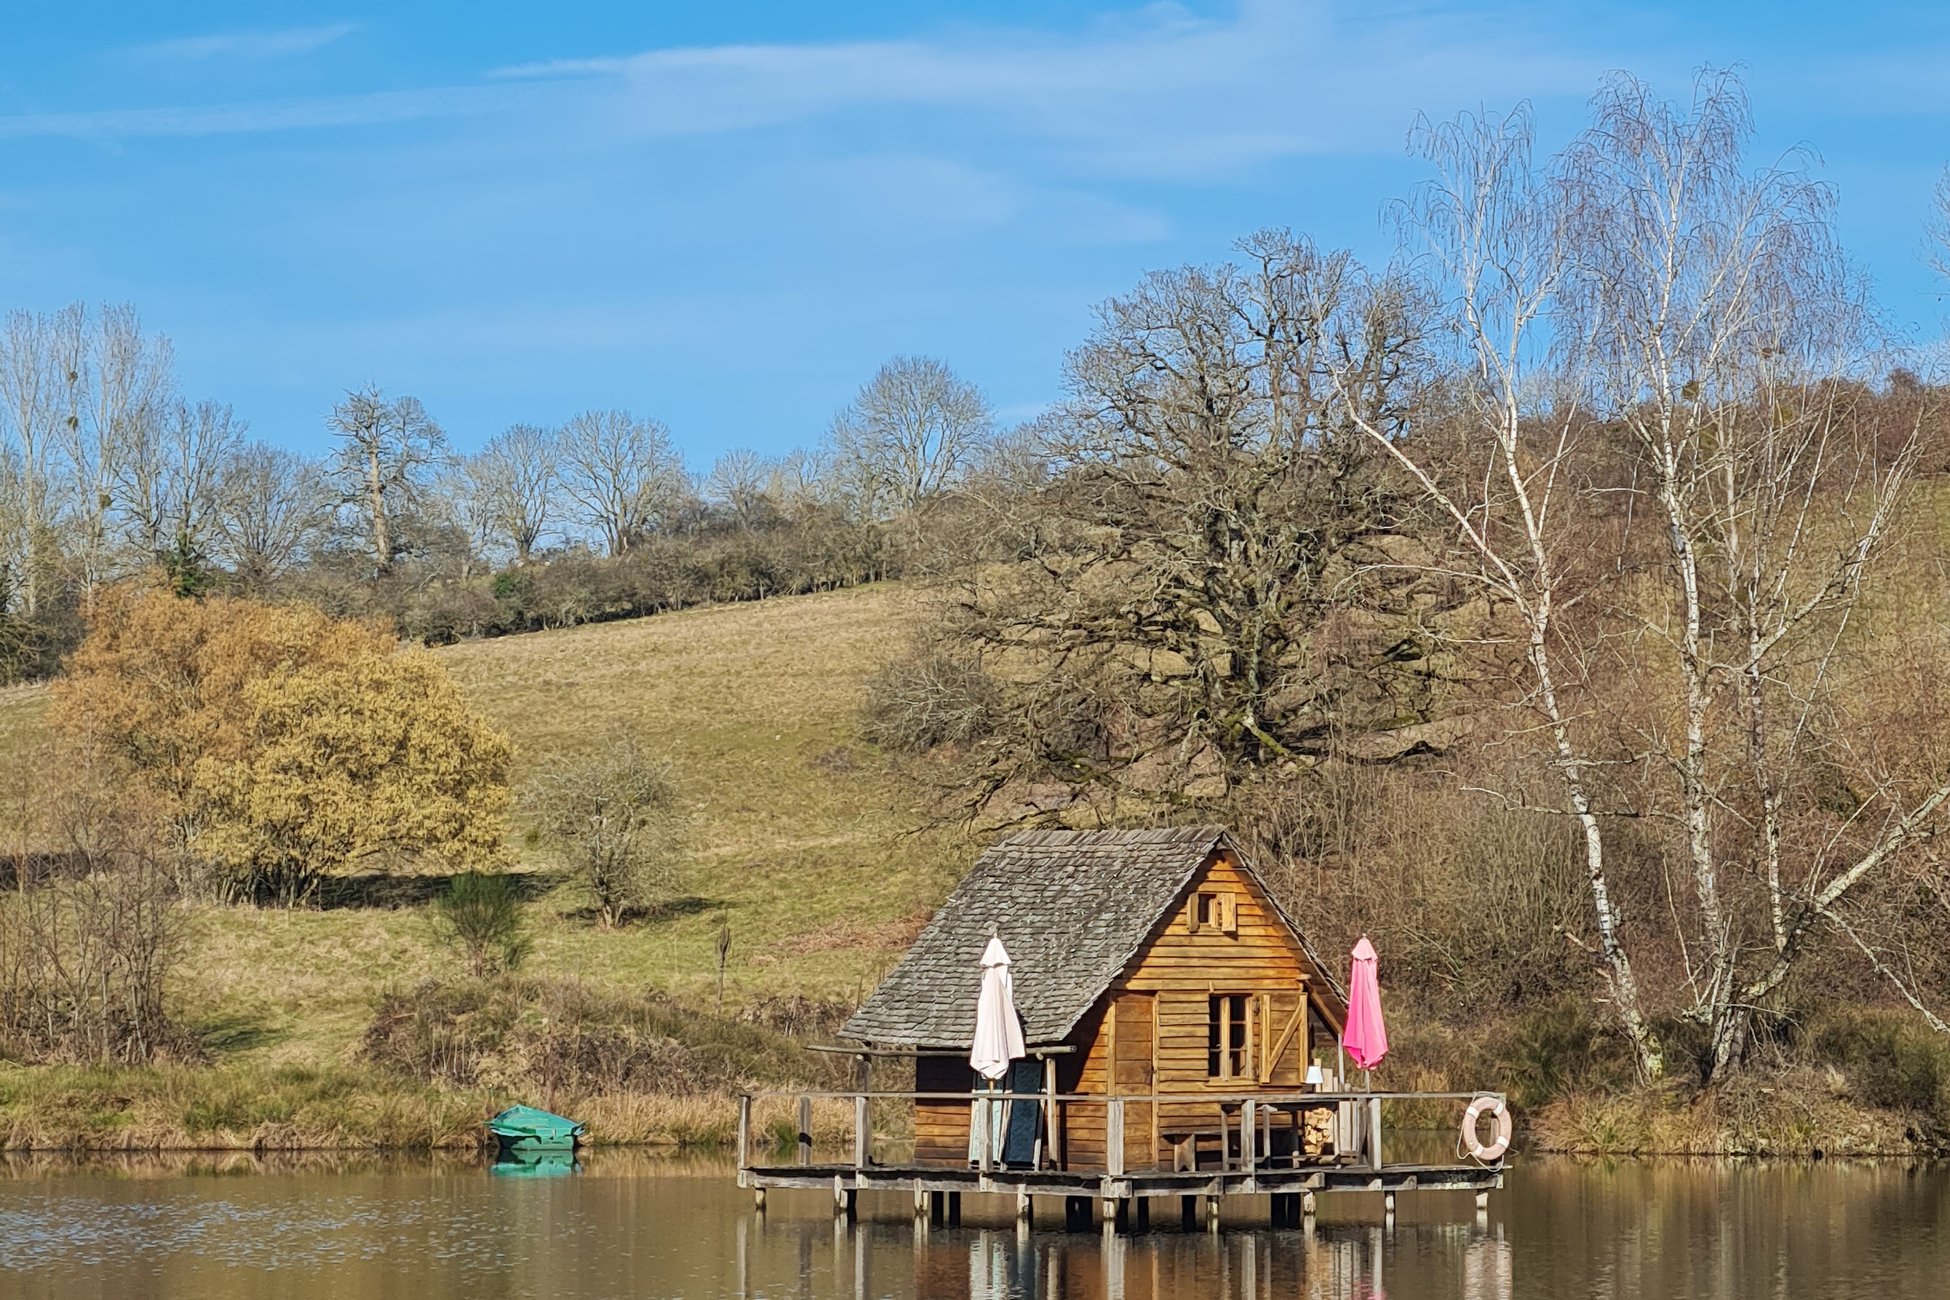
(71, 1112)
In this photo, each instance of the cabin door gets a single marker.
(1134, 1073)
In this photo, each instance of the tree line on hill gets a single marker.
(105, 471)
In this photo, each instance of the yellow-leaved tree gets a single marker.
(283, 744)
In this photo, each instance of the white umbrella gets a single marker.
(998, 1041)
(998, 1033)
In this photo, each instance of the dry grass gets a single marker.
(240, 1108)
(1797, 1112)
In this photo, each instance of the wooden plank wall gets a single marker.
(941, 1127)
(1162, 1008)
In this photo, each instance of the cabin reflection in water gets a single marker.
(1334, 1262)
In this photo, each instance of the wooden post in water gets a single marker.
(744, 1130)
(1374, 1131)
(862, 1133)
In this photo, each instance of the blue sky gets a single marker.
(728, 215)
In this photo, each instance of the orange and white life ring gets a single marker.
(1471, 1137)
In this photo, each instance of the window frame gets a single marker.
(1228, 1016)
(1214, 911)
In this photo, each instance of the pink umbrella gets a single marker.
(1366, 1037)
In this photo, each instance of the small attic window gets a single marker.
(1214, 911)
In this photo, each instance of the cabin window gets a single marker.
(1229, 1036)
(1214, 912)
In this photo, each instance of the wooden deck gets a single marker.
(1247, 1164)
(1047, 1182)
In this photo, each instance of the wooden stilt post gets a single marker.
(744, 1131)
(1212, 1213)
(758, 1199)
(1307, 1205)
(1482, 1200)
(1025, 1211)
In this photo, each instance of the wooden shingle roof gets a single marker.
(1072, 907)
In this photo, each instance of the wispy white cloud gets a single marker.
(280, 43)
(1151, 92)
(379, 108)
(1156, 92)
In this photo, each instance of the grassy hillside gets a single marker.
(798, 837)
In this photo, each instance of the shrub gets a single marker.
(614, 817)
(480, 915)
(1561, 1049)
(85, 959)
(932, 697)
(1892, 1062)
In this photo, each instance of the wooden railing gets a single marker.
(1246, 1116)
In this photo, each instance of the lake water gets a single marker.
(633, 1225)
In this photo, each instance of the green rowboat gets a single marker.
(521, 1129)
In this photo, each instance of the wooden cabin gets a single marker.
(1148, 964)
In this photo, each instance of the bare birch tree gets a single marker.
(1490, 231)
(623, 472)
(1696, 411)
